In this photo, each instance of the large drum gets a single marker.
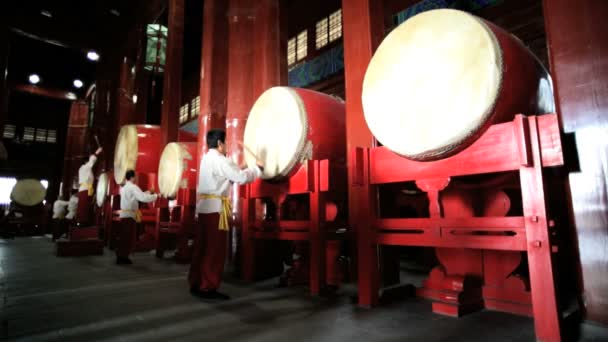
(177, 168)
(287, 126)
(28, 192)
(137, 148)
(440, 79)
(102, 190)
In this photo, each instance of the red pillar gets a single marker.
(3, 72)
(172, 87)
(363, 30)
(75, 145)
(214, 71)
(578, 51)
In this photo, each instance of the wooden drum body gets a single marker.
(288, 126)
(177, 168)
(137, 148)
(28, 192)
(442, 78)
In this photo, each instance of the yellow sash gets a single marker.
(226, 209)
(89, 186)
(137, 214)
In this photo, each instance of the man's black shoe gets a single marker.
(213, 295)
(123, 261)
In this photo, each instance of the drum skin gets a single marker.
(102, 189)
(523, 86)
(28, 192)
(323, 135)
(177, 168)
(137, 148)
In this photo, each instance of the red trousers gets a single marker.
(84, 207)
(127, 237)
(208, 253)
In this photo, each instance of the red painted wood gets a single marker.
(542, 280)
(481, 157)
(363, 25)
(172, 78)
(4, 50)
(75, 151)
(578, 50)
(529, 233)
(42, 91)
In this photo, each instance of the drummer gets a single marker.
(85, 191)
(130, 196)
(216, 173)
(72, 205)
(59, 211)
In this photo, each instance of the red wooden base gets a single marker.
(313, 180)
(83, 233)
(483, 245)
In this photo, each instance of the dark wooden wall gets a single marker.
(578, 48)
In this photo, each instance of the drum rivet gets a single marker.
(536, 243)
(534, 218)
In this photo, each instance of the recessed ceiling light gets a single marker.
(92, 55)
(34, 79)
(71, 96)
(115, 12)
(46, 13)
(78, 83)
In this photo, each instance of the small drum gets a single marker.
(440, 79)
(288, 126)
(28, 192)
(177, 168)
(137, 148)
(102, 190)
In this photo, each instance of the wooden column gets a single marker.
(3, 72)
(125, 110)
(578, 51)
(75, 145)
(363, 30)
(214, 71)
(172, 86)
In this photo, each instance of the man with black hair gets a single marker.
(216, 173)
(130, 196)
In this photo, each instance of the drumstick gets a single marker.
(250, 152)
(97, 141)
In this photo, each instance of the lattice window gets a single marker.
(322, 33)
(291, 51)
(335, 25)
(9, 131)
(183, 114)
(28, 133)
(40, 135)
(195, 107)
(51, 136)
(302, 48)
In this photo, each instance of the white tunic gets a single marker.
(130, 196)
(59, 208)
(85, 173)
(216, 172)
(72, 207)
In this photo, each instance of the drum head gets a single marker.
(28, 192)
(125, 153)
(432, 83)
(276, 131)
(171, 169)
(102, 189)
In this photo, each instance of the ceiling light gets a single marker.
(34, 79)
(46, 13)
(92, 55)
(78, 83)
(115, 12)
(71, 96)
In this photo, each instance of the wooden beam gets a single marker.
(47, 92)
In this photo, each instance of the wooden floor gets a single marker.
(45, 298)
